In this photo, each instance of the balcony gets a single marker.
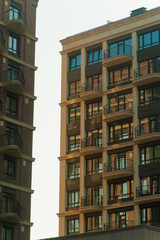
(13, 81)
(146, 133)
(10, 211)
(89, 91)
(2, 42)
(147, 194)
(91, 146)
(15, 20)
(91, 203)
(118, 169)
(117, 112)
(146, 75)
(116, 56)
(119, 224)
(11, 144)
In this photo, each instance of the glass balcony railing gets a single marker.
(92, 201)
(115, 51)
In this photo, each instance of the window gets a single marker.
(75, 62)
(8, 205)
(11, 135)
(94, 138)
(11, 105)
(121, 47)
(150, 154)
(94, 223)
(119, 161)
(148, 67)
(74, 143)
(149, 186)
(9, 168)
(149, 125)
(149, 39)
(120, 103)
(94, 109)
(121, 219)
(13, 44)
(73, 226)
(120, 76)
(74, 170)
(94, 83)
(120, 132)
(74, 114)
(93, 165)
(121, 190)
(7, 233)
(74, 89)
(73, 199)
(150, 215)
(149, 95)
(94, 56)
(94, 196)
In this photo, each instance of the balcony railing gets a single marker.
(91, 142)
(119, 224)
(11, 206)
(148, 161)
(145, 70)
(90, 87)
(13, 14)
(146, 128)
(117, 108)
(94, 114)
(92, 201)
(119, 136)
(120, 82)
(112, 52)
(116, 165)
(2, 39)
(10, 138)
(146, 190)
(14, 75)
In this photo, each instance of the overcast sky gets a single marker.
(56, 20)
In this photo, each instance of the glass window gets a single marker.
(155, 37)
(74, 89)
(121, 47)
(94, 223)
(120, 76)
(7, 233)
(75, 62)
(9, 168)
(120, 132)
(74, 142)
(73, 199)
(74, 115)
(94, 165)
(94, 109)
(73, 226)
(13, 44)
(94, 56)
(149, 39)
(11, 106)
(73, 170)
(121, 190)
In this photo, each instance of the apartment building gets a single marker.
(110, 126)
(17, 68)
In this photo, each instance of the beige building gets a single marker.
(110, 126)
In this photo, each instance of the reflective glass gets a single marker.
(155, 37)
(147, 40)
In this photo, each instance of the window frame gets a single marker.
(76, 143)
(141, 44)
(9, 163)
(76, 117)
(94, 114)
(14, 37)
(123, 139)
(93, 165)
(90, 55)
(76, 65)
(9, 101)
(76, 170)
(73, 196)
(75, 230)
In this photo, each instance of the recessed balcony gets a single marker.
(11, 144)
(91, 203)
(146, 75)
(116, 56)
(15, 20)
(2, 42)
(145, 133)
(91, 146)
(90, 91)
(10, 211)
(117, 112)
(147, 194)
(13, 81)
(118, 169)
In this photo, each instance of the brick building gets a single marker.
(17, 55)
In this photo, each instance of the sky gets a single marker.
(56, 20)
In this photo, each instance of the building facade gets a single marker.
(17, 55)
(110, 126)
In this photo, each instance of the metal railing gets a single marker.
(114, 51)
(2, 39)
(11, 206)
(145, 128)
(90, 87)
(95, 114)
(92, 201)
(148, 161)
(119, 224)
(91, 142)
(147, 69)
(117, 108)
(10, 138)
(145, 190)
(13, 14)
(118, 164)
(120, 82)
(120, 197)
(120, 136)
(14, 75)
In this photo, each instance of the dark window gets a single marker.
(120, 76)
(121, 47)
(94, 109)
(11, 105)
(149, 125)
(121, 219)
(74, 114)
(73, 199)
(149, 39)
(10, 136)
(13, 44)
(94, 138)
(94, 83)
(94, 165)
(149, 186)
(150, 215)
(120, 132)
(8, 201)
(9, 168)
(119, 161)
(75, 62)
(150, 154)
(149, 95)
(74, 89)
(73, 170)
(121, 190)
(94, 56)
(74, 143)
(120, 103)
(7, 233)
(72, 226)
(94, 223)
